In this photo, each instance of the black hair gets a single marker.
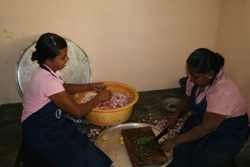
(204, 60)
(48, 46)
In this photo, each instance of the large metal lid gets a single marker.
(77, 70)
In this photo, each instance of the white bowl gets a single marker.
(170, 104)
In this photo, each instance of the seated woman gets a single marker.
(50, 139)
(216, 130)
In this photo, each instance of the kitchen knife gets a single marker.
(165, 131)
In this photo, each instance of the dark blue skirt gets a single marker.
(57, 139)
(216, 147)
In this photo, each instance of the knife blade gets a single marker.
(165, 131)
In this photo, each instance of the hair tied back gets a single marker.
(53, 41)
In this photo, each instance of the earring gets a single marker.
(210, 77)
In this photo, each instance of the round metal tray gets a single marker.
(118, 152)
(77, 70)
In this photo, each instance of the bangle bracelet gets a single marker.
(174, 117)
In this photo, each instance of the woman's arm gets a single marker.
(65, 102)
(181, 109)
(76, 88)
(210, 123)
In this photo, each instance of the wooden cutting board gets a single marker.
(142, 149)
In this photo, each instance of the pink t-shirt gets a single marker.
(41, 85)
(223, 97)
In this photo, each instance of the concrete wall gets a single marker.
(233, 42)
(143, 43)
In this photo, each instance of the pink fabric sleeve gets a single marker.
(50, 86)
(226, 100)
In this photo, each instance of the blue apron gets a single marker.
(218, 146)
(57, 139)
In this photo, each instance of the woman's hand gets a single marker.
(168, 144)
(170, 124)
(104, 95)
(98, 86)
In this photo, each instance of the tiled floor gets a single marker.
(147, 110)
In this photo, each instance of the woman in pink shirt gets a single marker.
(50, 139)
(218, 126)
